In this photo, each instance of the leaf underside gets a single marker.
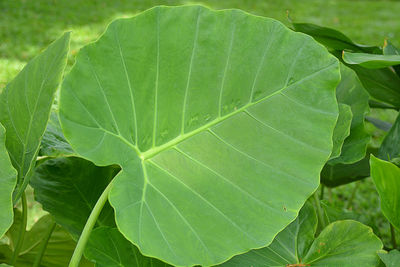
(194, 105)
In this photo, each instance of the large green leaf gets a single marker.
(69, 188)
(8, 179)
(391, 259)
(371, 61)
(386, 177)
(390, 147)
(58, 251)
(342, 243)
(351, 92)
(107, 247)
(25, 106)
(203, 110)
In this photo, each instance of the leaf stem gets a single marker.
(393, 235)
(321, 196)
(320, 213)
(80, 247)
(43, 246)
(353, 194)
(22, 230)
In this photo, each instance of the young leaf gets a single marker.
(386, 177)
(343, 243)
(351, 92)
(342, 129)
(391, 259)
(371, 61)
(390, 147)
(53, 143)
(58, 251)
(107, 247)
(68, 188)
(8, 179)
(194, 105)
(25, 107)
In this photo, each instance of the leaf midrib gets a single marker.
(156, 150)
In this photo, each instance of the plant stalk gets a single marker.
(80, 246)
(320, 213)
(43, 246)
(353, 194)
(321, 196)
(22, 230)
(393, 235)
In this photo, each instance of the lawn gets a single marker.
(26, 27)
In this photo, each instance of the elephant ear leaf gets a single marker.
(342, 243)
(25, 106)
(386, 177)
(8, 179)
(194, 105)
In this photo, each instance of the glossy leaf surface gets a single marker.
(342, 243)
(107, 247)
(69, 188)
(194, 104)
(351, 92)
(371, 61)
(386, 177)
(8, 179)
(25, 106)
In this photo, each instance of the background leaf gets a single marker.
(391, 259)
(25, 106)
(69, 188)
(180, 98)
(107, 247)
(386, 177)
(371, 61)
(390, 147)
(8, 179)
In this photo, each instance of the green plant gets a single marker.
(194, 136)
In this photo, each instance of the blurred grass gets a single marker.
(27, 27)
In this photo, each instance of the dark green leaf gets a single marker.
(371, 61)
(69, 188)
(53, 142)
(25, 106)
(390, 147)
(386, 177)
(107, 247)
(391, 259)
(194, 105)
(8, 179)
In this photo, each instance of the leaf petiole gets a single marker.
(22, 230)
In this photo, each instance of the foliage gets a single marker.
(206, 131)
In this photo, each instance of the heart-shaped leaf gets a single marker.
(25, 106)
(386, 177)
(107, 247)
(69, 188)
(203, 110)
(342, 243)
(8, 179)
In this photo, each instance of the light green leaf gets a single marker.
(53, 143)
(371, 61)
(59, 247)
(8, 179)
(342, 243)
(386, 177)
(342, 129)
(390, 147)
(195, 105)
(69, 188)
(25, 107)
(391, 259)
(107, 247)
(351, 92)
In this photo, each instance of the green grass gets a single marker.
(26, 27)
